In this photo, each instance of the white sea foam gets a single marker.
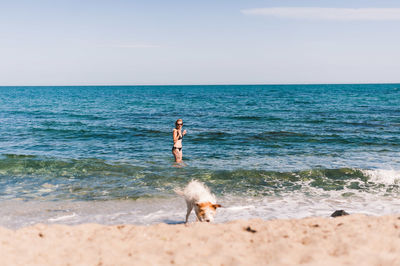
(310, 201)
(388, 177)
(62, 218)
(239, 208)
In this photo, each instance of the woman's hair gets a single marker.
(179, 120)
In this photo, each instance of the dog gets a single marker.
(198, 196)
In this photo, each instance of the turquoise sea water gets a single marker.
(79, 154)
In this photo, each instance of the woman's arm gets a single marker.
(175, 135)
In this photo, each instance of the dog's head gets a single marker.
(205, 211)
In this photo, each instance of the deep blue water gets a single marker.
(114, 142)
(103, 154)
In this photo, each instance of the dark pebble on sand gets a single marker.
(339, 213)
(249, 229)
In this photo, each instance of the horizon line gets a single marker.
(216, 84)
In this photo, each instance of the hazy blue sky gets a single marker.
(72, 42)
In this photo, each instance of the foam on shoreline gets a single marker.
(15, 214)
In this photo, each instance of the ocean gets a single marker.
(102, 154)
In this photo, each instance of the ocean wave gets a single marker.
(27, 177)
(278, 135)
(30, 165)
(247, 117)
(89, 117)
(383, 176)
(255, 118)
(210, 136)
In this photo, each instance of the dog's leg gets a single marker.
(189, 210)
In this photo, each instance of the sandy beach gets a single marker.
(347, 240)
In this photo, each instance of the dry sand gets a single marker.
(348, 240)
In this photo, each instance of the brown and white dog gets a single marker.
(198, 196)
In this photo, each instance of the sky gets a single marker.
(150, 42)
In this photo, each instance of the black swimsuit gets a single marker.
(176, 148)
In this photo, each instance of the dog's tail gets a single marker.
(178, 191)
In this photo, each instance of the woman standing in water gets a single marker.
(177, 136)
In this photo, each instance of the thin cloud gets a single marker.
(321, 13)
(134, 46)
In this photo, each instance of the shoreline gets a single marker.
(15, 214)
(354, 239)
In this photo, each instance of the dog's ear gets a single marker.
(216, 206)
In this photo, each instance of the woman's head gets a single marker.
(178, 123)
